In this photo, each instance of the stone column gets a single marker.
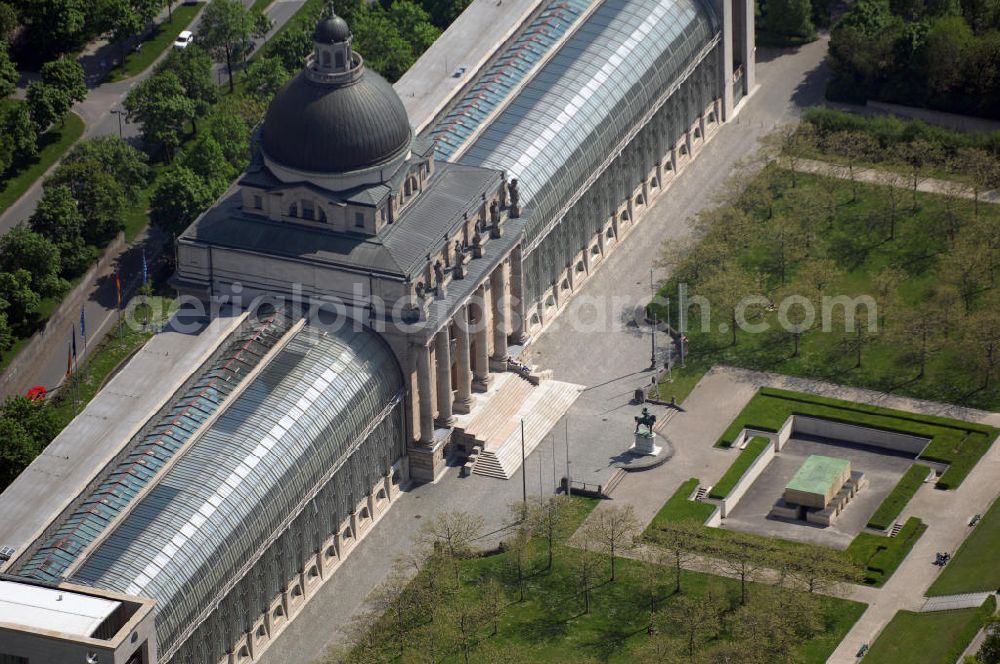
(442, 351)
(425, 394)
(498, 280)
(463, 401)
(481, 360)
(659, 175)
(518, 312)
(673, 159)
(701, 125)
(688, 143)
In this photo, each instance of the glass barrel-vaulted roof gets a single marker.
(298, 420)
(155, 447)
(580, 105)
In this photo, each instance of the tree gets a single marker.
(55, 25)
(19, 132)
(232, 132)
(989, 651)
(6, 334)
(789, 18)
(547, 520)
(265, 76)
(741, 560)
(981, 170)
(891, 188)
(161, 105)
(649, 578)
(916, 155)
(58, 218)
(677, 540)
(66, 76)
(178, 197)
(128, 166)
(727, 289)
(854, 146)
(23, 250)
(790, 144)
(493, 600)
(390, 598)
(193, 68)
(47, 104)
(964, 268)
(981, 339)
(9, 76)
(225, 29)
(17, 450)
(452, 533)
(9, 20)
(783, 243)
(822, 570)
(585, 571)
(206, 159)
(414, 25)
(516, 550)
(22, 302)
(953, 207)
(695, 619)
(291, 46)
(125, 19)
(99, 197)
(614, 529)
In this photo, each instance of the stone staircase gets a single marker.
(896, 527)
(496, 426)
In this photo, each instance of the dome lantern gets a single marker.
(333, 59)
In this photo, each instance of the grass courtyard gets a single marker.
(938, 637)
(974, 566)
(551, 624)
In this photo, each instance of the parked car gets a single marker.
(184, 39)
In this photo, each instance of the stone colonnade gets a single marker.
(458, 359)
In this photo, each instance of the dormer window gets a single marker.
(293, 211)
(308, 210)
(258, 202)
(322, 215)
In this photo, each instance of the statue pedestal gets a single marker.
(645, 444)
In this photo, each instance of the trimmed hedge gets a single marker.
(747, 456)
(879, 556)
(958, 444)
(899, 497)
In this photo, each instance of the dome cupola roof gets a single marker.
(335, 116)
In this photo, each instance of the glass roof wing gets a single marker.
(158, 444)
(588, 96)
(497, 82)
(299, 419)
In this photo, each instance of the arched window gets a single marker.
(308, 209)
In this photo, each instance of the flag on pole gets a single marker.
(74, 344)
(83, 328)
(69, 360)
(118, 288)
(144, 273)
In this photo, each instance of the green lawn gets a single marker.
(52, 145)
(938, 637)
(684, 381)
(975, 566)
(550, 625)
(959, 444)
(755, 447)
(159, 41)
(897, 499)
(914, 255)
(876, 557)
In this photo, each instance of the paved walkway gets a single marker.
(719, 397)
(875, 176)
